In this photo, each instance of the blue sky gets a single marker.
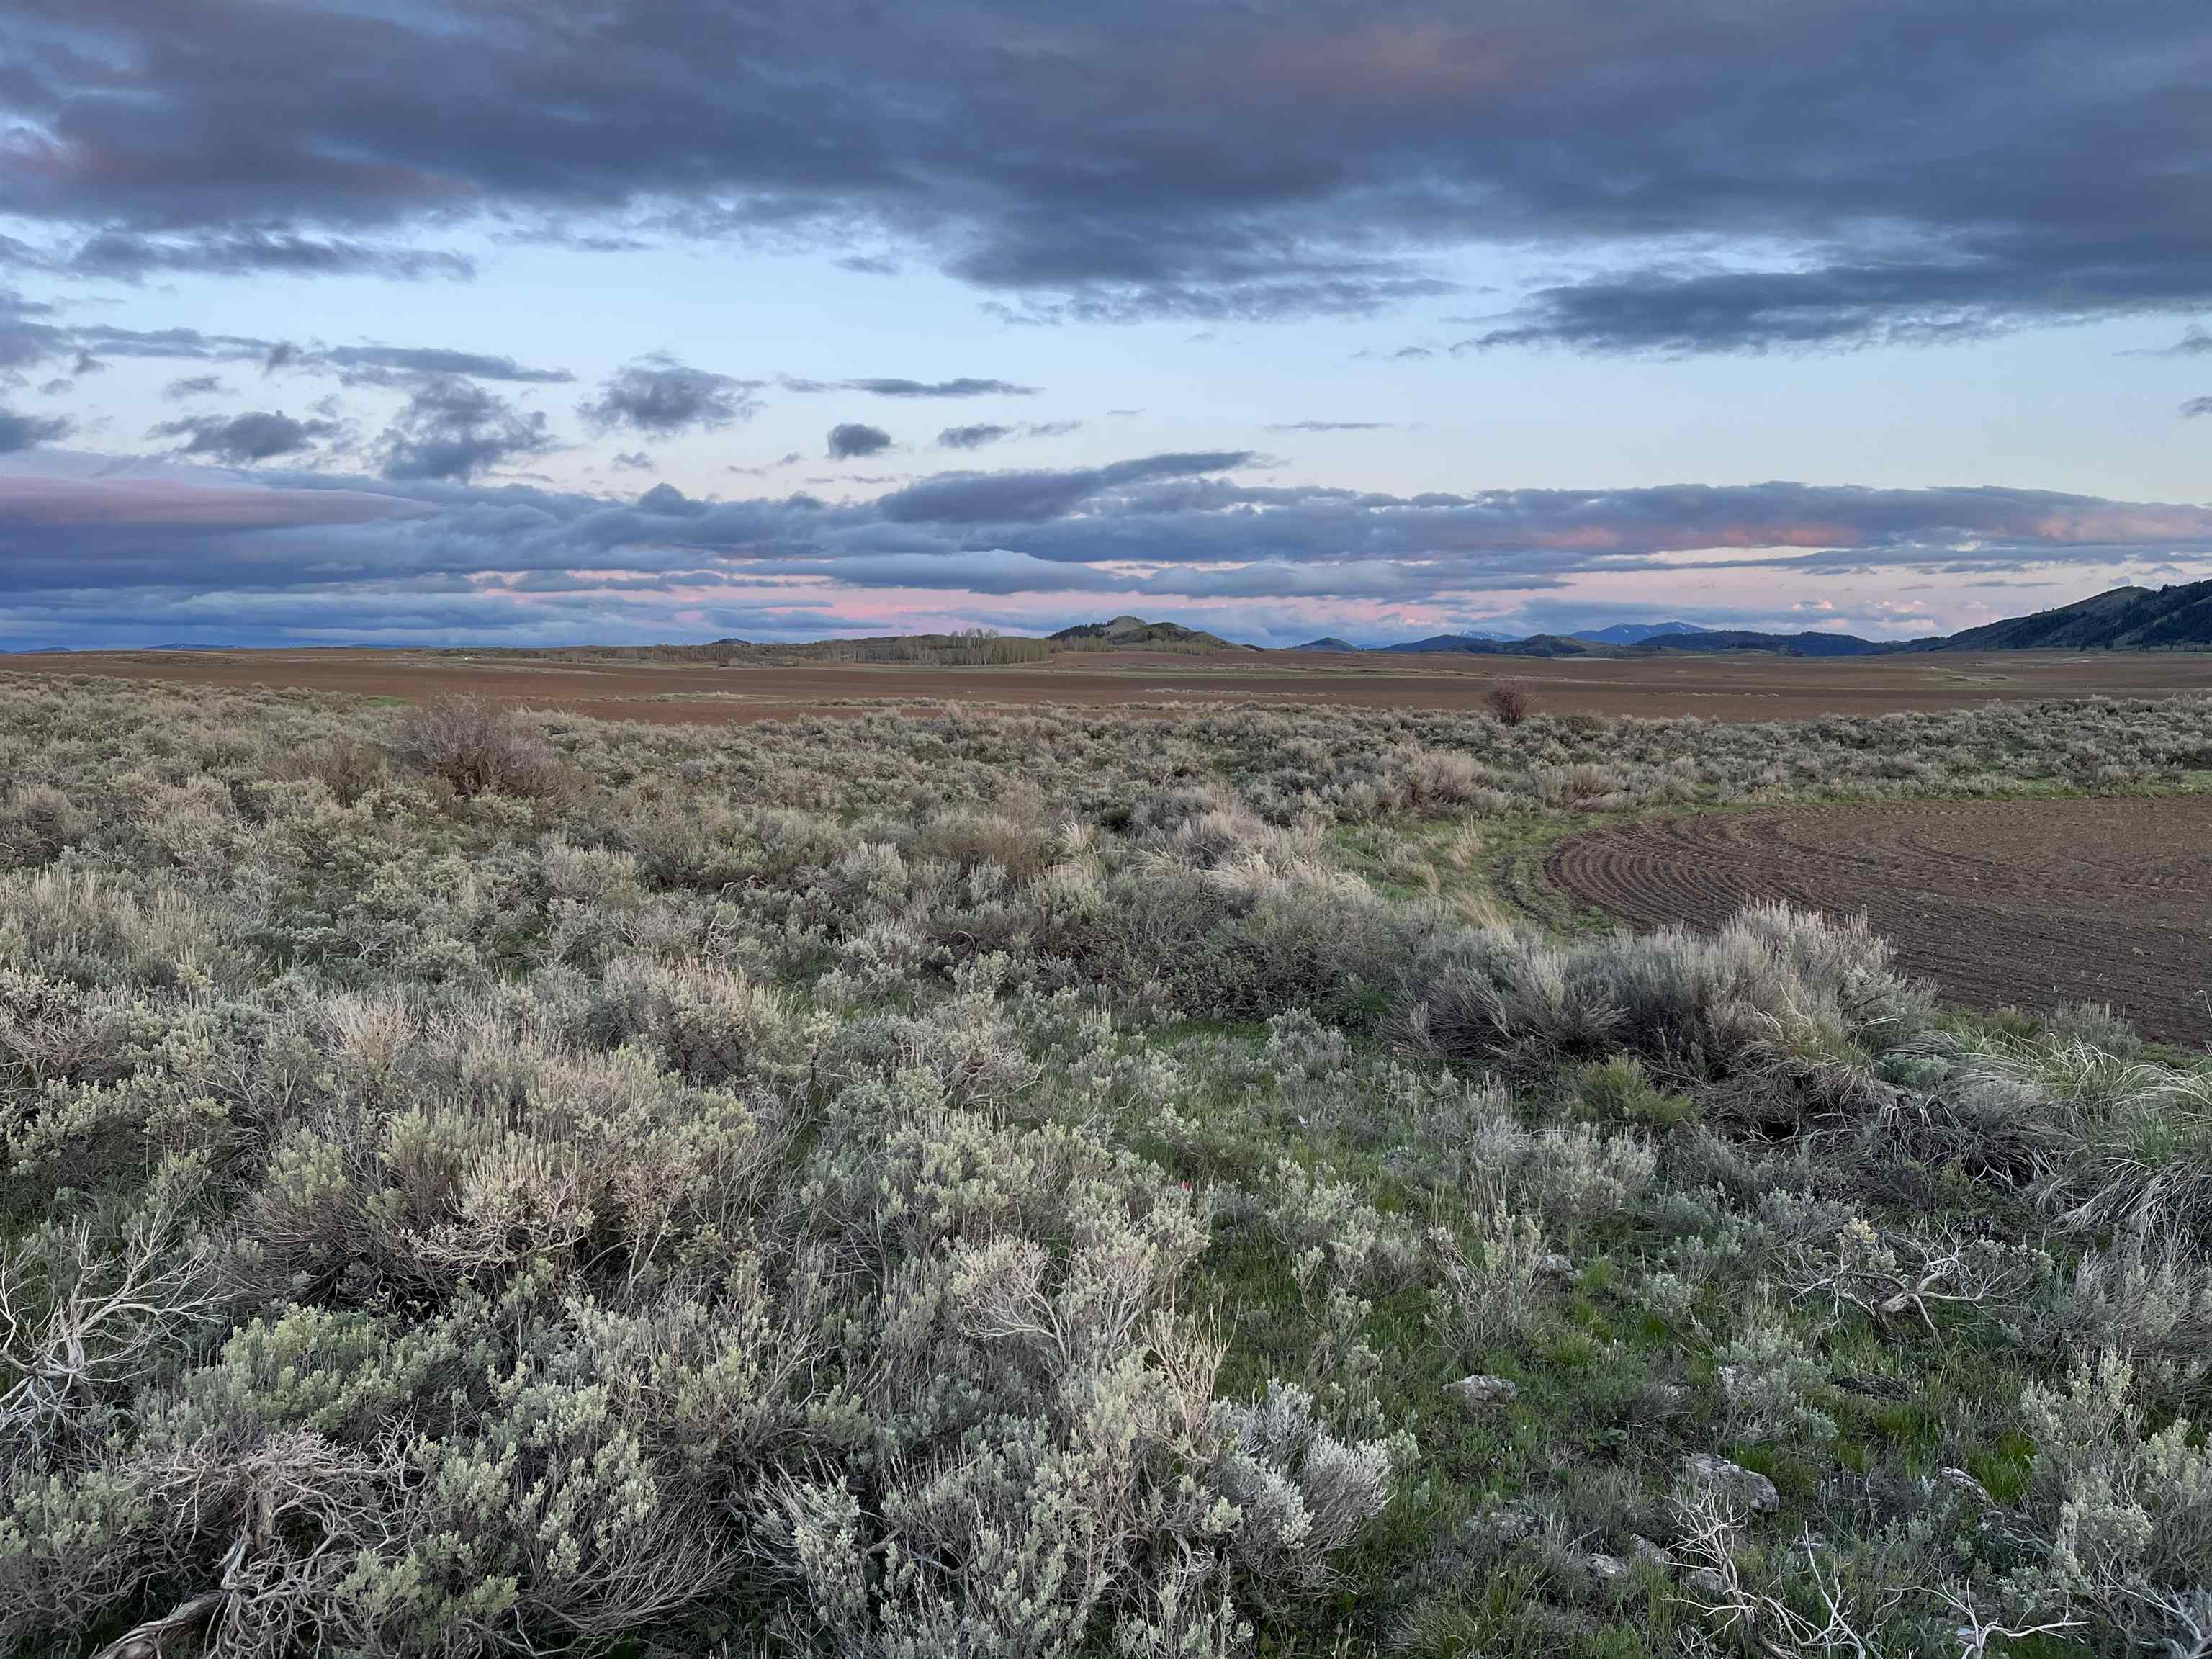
(507, 324)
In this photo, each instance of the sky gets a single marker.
(533, 322)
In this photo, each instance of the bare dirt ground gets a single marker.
(1729, 688)
(2023, 903)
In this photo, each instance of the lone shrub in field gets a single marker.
(1509, 702)
(350, 767)
(478, 748)
(37, 821)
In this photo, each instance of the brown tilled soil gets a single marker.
(2024, 902)
(1744, 687)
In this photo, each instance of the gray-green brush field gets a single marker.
(1057, 1184)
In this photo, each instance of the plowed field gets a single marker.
(2023, 903)
(1741, 686)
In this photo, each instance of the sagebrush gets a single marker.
(477, 1183)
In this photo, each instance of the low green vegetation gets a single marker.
(481, 1184)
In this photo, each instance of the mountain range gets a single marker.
(1135, 633)
(1634, 632)
(2176, 618)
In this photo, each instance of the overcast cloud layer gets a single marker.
(880, 242)
(416, 558)
(1908, 167)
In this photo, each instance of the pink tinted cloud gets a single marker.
(85, 503)
(1375, 61)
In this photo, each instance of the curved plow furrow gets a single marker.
(2033, 902)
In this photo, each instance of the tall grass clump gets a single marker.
(1777, 1004)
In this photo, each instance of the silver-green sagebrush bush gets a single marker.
(480, 1183)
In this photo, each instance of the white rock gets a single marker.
(1746, 1486)
(1706, 1581)
(1510, 1522)
(1478, 1391)
(1959, 1480)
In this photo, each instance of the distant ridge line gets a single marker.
(2175, 618)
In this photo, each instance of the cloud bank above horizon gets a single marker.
(357, 321)
(174, 554)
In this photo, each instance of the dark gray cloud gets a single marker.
(997, 498)
(127, 256)
(20, 431)
(986, 433)
(1910, 170)
(27, 339)
(454, 429)
(385, 365)
(634, 460)
(241, 439)
(2194, 343)
(1330, 426)
(1667, 312)
(972, 437)
(881, 386)
(667, 499)
(189, 345)
(851, 439)
(193, 386)
(33, 332)
(962, 387)
(660, 396)
(1230, 290)
(790, 458)
(2197, 406)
